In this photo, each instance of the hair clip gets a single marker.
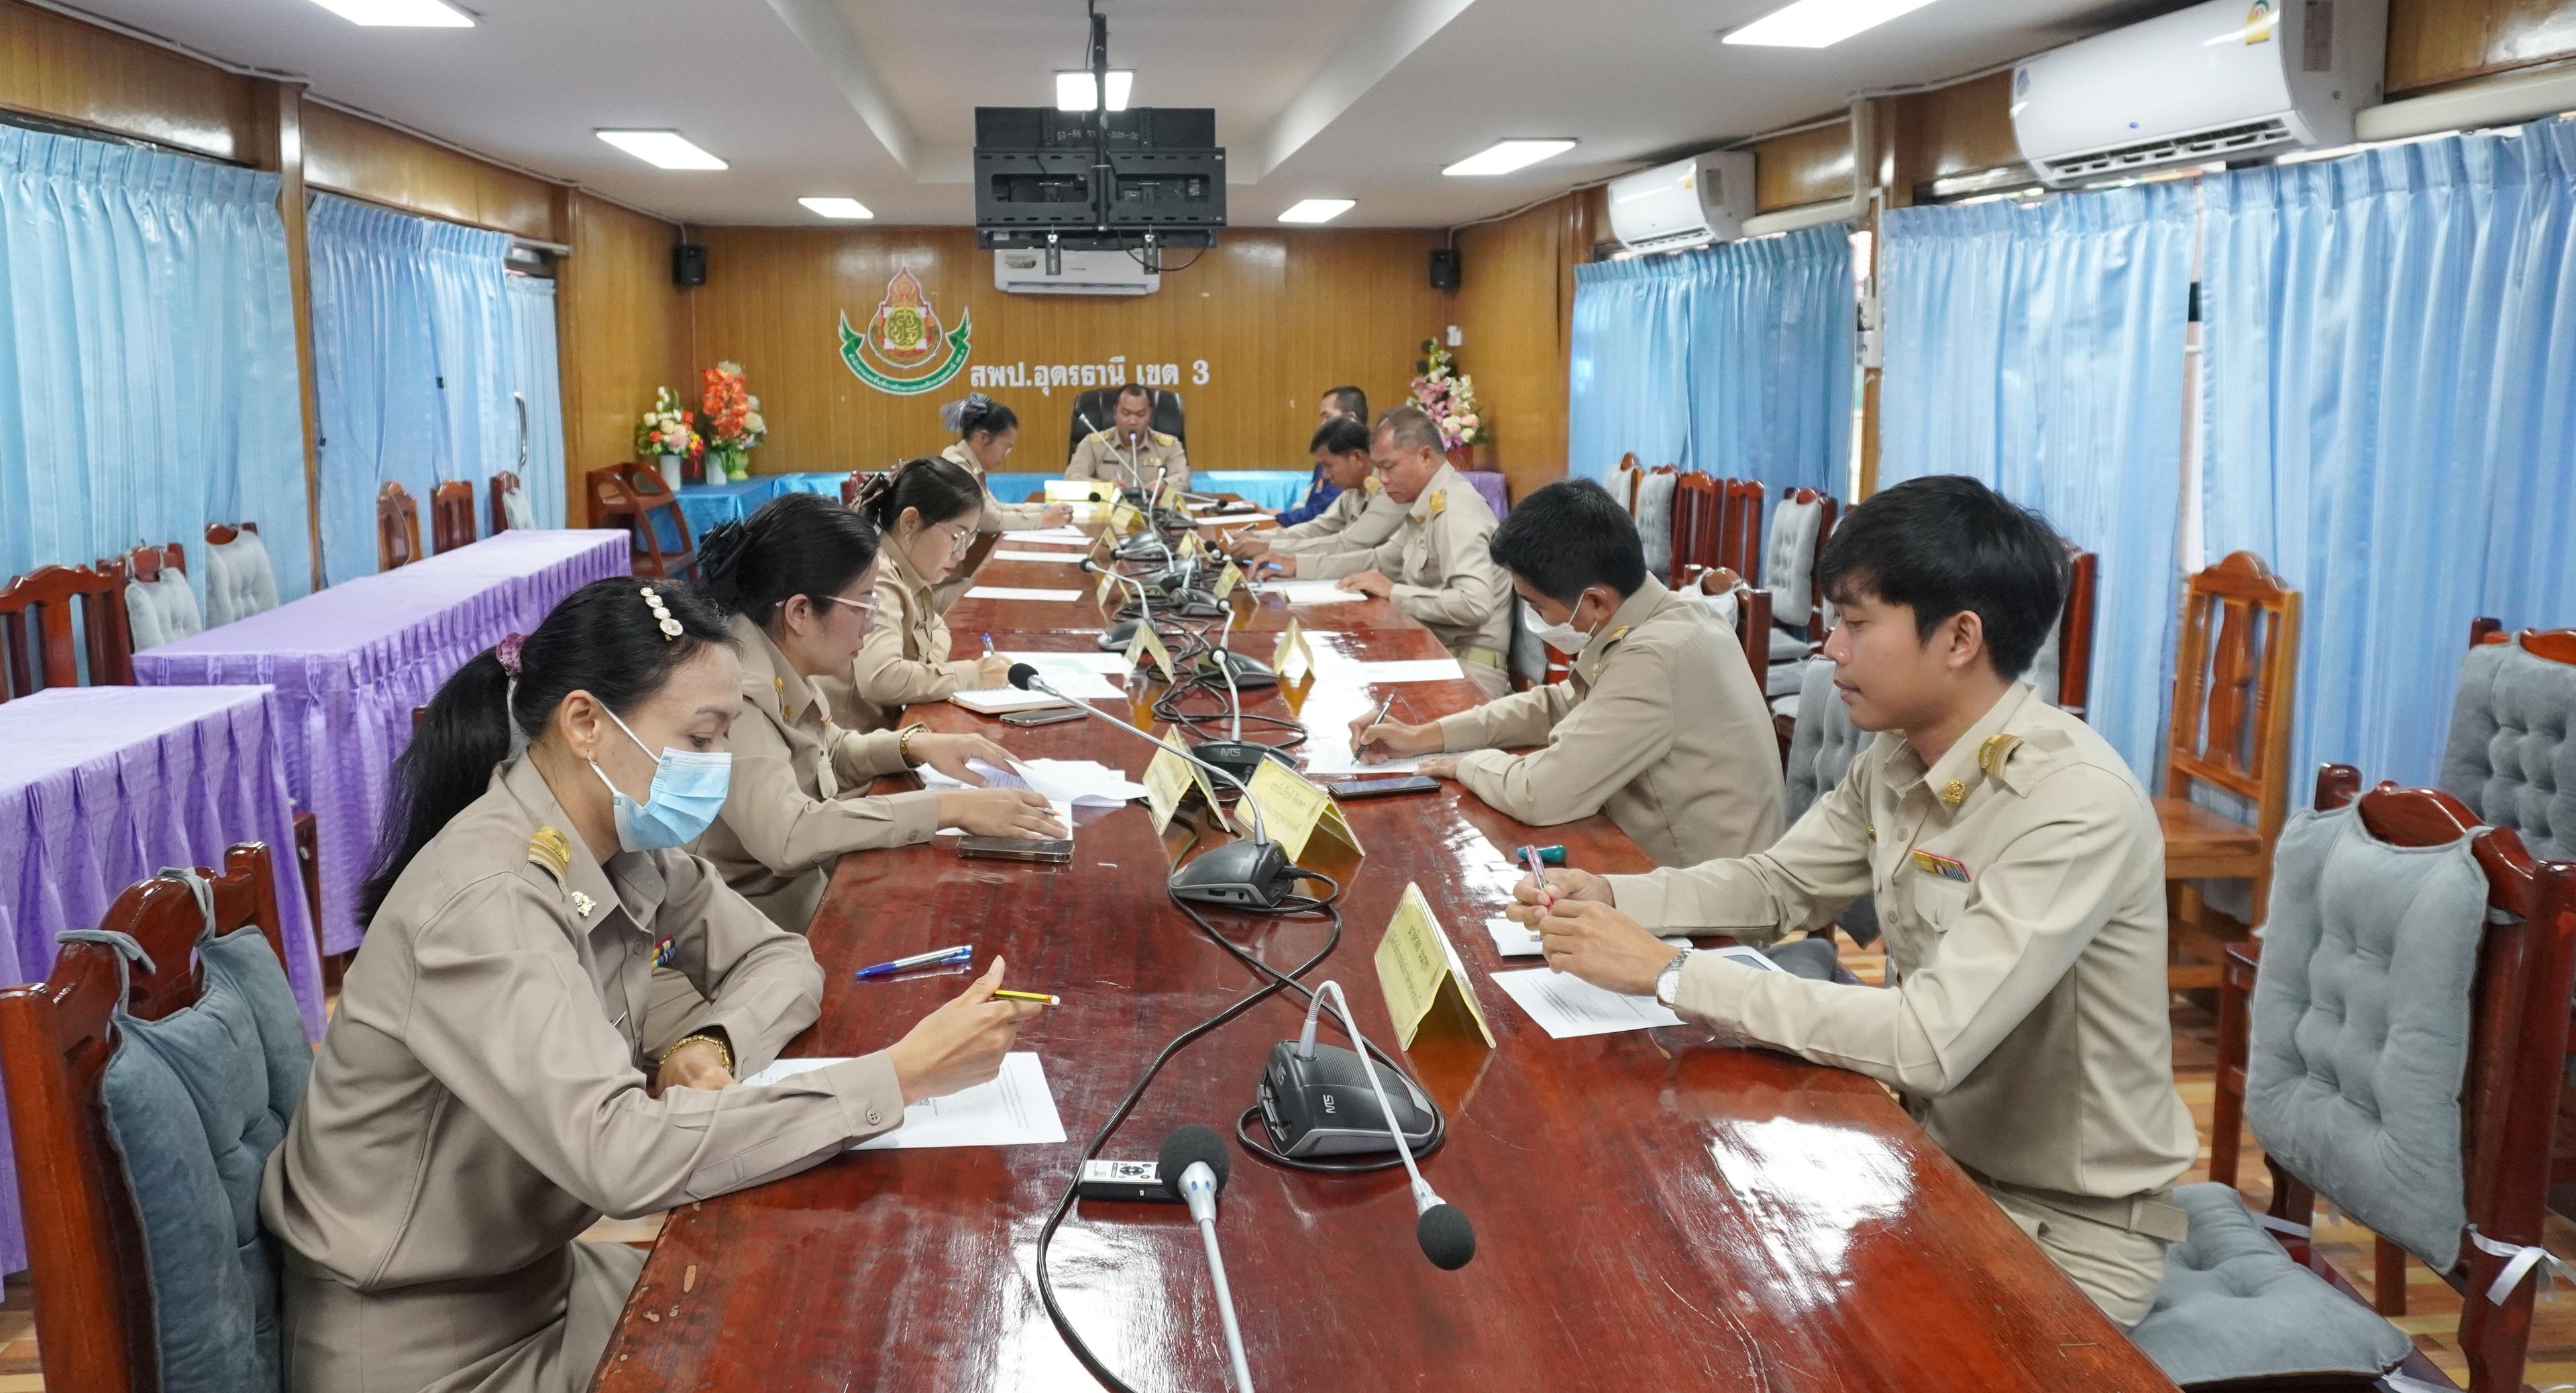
(670, 626)
(507, 650)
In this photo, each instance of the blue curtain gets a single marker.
(534, 378)
(411, 349)
(147, 357)
(1734, 359)
(2391, 390)
(2040, 349)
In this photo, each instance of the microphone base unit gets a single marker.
(1181, 604)
(1323, 1106)
(1237, 875)
(1116, 637)
(1239, 757)
(1249, 671)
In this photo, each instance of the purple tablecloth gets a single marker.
(349, 663)
(101, 787)
(1490, 484)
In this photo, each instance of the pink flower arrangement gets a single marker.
(1448, 397)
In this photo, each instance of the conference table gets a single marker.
(1654, 1209)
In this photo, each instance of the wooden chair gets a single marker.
(1657, 531)
(2235, 675)
(239, 578)
(634, 497)
(1622, 481)
(397, 527)
(857, 478)
(95, 1323)
(1752, 612)
(2509, 1095)
(1739, 529)
(2075, 633)
(451, 514)
(147, 563)
(1697, 502)
(45, 648)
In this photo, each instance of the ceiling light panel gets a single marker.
(1073, 90)
(1504, 156)
(1820, 23)
(399, 14)
(845, 209)
(1316, 210)
(666, 149)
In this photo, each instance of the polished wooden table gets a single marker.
(1653, 1210)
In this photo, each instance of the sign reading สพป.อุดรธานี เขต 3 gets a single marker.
(905, 351)
(1046, 377)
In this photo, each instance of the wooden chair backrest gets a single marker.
(1814, 618)
(397, 527)
(1739, 529)
(634, 496)
(2509, 1095)
(858, 478)
(1752, 614)
(451, 514)
(2557, 645)
(1697, 502)
(88, 1268)
(2075, 632)
(2236, 670)
(1627, 496)
(503, 484)
(221, 533)
(147, 563)
(44, 647)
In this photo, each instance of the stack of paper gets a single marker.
(1016, 1109)
(1333, 667)
(1310, 592)
(1074, 663)
(1079, 782)
(1015, 592)
(1069, 558)
(1074, 536)
(993, 701)
(1566, 1007)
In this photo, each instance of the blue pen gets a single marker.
(988, 645)
(937, 957)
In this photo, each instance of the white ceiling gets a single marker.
(874, 99)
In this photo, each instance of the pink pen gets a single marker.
(1538, 876)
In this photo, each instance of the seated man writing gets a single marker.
(1362, 515)
(1658, 722)
(2020, 882)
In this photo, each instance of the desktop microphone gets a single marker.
(1237, 755)
(1307, 1100)
(1194, 1166)
(1239, 874)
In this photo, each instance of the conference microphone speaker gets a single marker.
(688, 264)
(1194, 1166)
(1444, 268)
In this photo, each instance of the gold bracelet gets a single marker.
(903, 745)
(711, 1038)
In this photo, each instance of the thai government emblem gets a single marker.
(903, 350)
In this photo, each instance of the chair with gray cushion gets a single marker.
(1822, 747)
(1801, 522)
(148, 1079)
(1622, 479)
(2511, 757)
(159, 606)
(2393, 1039)
(1655, 519)
(240, 582)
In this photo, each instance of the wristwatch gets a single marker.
(1668, 983)
(903, 745)
(713, 1035)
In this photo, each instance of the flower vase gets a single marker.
(670, 465)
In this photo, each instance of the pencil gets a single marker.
(1039, 997)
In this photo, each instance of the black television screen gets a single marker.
(1037, 171)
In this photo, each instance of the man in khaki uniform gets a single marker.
(1659, 724)
(2020, 882)
(1360, 517)
(1131, 452)
(1435, 568)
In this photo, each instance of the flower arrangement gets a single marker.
(1448, 397)
(729, 417)
(665, 430)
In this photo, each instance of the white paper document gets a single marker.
(1014, 592)
(1329, 753)
(1069, 558)
(1063, 814)
(993, 701)
(1080, 782)
(1079, 685)
(1339, 669)
(1073, 536)
(1310, 592)
(1521, 941)
(1566, 1007)
(1015, 1109)
(1105, 664)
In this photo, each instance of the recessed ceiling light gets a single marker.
(1316, 210)
(404, 14)
(669, 149)
(1820, 23)
(1504, 156)
(838, 207)
(1073, 90)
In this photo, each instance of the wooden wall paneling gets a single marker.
(1277, 317)
(1515, 308)
(1802, 167)
(1958, 129)
(622, 330)
(57, 67)
(352, 155)
(2432, 42)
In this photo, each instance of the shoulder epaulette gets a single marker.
(1992, 754)
(1162, 439)
(549, 851)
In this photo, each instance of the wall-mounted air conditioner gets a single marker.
(1688, 203)
(1078, 273)
(2222, 81)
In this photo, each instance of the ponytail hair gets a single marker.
(941, 491)
(607, 638)
(796, 544)
(978, 414)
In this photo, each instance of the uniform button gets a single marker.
(872, 1117)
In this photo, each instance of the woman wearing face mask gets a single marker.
(925, 510)
(986, 432)
(483, 1095)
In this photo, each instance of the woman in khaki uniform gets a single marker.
(986, 432)
(925, 511)
(483, 1095)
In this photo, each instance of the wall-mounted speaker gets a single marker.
(1444, 268)
(688, 264)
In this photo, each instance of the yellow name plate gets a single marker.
(1147, 642)
(1419, 971)
(1170, 779)
(1294, 811)
(1123, 517)
(1226, 581)
(1294, 658)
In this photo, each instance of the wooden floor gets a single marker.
(2433, 1309)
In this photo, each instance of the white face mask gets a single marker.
(1564, 638)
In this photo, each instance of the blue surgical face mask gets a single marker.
(688, 791)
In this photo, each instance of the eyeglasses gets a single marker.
(865, 607)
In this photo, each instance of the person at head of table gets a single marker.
(924, 513)
(482, 1095)
(2019, 872)
(1130, 452)
(1659, 722)
(1321, 487)
(1435, 568)
(797, 583)
(1363, 513)
(987, 431)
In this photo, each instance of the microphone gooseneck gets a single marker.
(1440, 1227)
(1193, 1165)
(1028, 679)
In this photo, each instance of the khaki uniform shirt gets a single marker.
(1358, 520)
(479, 1099)
(2027, 1028)
(905, 659)
(1443, 575)
(997, 517)
(798, 797)
(1104, 455)
(1659, 724)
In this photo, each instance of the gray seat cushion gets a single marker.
(2044, 670)
(1529, 652)
(196, 1101)
(1655, 521)
(1811, 958)
(2360, 1035)
(2509, 756)
(1822, 746)
(1789, 560)
(516, 511)
(161, 610)
(1716, 611)
(239, 580)
(1621, 480)
(2234, 1307)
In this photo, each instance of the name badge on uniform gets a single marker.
(666, 951)
(1941, 866)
